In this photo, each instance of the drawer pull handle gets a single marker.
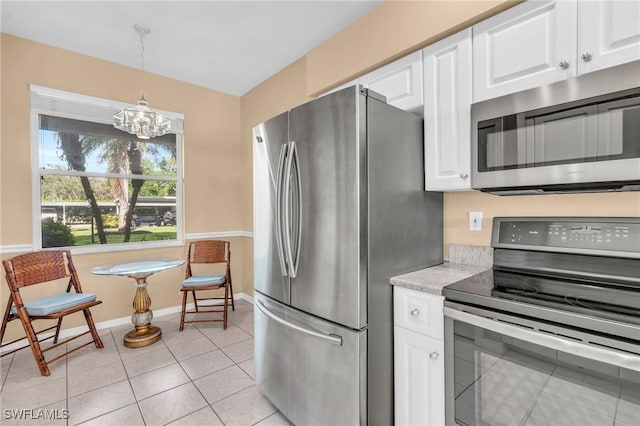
(587, 56)
(415, 312)
(434, 355)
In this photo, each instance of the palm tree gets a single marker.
(135, 166)
(74, 154)
(123, 156)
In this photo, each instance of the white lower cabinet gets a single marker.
(418, 360)
(419, 379)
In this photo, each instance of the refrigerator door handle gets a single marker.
(278, 212)
(294, 154)
(329, 338)
(287, 209)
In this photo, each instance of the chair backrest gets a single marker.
(39, 267)
(208, 251)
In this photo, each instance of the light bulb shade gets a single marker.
(142, 121)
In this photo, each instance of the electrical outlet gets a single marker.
(475, 221)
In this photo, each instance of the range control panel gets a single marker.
(615, 234)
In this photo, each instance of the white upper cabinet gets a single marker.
(400, 82)
(608, 33)
(529, 45)
(537, 43)
(447, 113)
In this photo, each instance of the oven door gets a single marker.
(503, 370)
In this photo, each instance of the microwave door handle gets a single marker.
(278, 210)
(329, 338)
(607, 356)
(287, 210)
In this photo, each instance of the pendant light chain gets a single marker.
(142, 61)
(142, 31)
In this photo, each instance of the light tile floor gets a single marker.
(203, 375)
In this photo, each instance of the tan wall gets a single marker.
(457, 207)
(391, 30)
(214, 182)
(285, 89)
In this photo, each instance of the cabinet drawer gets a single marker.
(418, 311)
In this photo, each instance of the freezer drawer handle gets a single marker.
(330, 338)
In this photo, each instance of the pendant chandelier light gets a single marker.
(140, 120)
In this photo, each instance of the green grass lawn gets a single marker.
(82, 234)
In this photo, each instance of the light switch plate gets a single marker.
(475, 221)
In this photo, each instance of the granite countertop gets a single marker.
(464, 261)
(434, 279)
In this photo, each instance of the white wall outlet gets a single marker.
(475, 221)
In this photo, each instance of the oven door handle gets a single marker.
(609, 356)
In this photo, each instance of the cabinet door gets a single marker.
(400, 82)
(419, 379)
(529, 45)
(447, 113)
(608, 33)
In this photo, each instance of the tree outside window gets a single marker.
(106, 186)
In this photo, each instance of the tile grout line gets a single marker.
(194, 385)
(128, 377)
(210, 405)
(110, 384)
(66, 401)
(191, 380)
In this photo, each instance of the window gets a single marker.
(98, 188)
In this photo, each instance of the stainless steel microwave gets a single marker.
(577, 135)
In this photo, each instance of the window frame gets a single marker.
(107, 108)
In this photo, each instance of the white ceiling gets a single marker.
(230, 46)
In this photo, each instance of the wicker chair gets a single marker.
(207, 252)
(38, 268)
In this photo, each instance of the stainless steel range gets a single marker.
(550, 335)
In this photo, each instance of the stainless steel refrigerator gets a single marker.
(339, 208)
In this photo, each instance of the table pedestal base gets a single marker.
(143, 337)
(145, 334)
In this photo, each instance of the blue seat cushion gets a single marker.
(56, 303)
(203, 280)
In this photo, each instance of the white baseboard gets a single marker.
(69, 332)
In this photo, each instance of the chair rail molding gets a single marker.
(16, 248)
(223, 234)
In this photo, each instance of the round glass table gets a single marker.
(144, 333)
